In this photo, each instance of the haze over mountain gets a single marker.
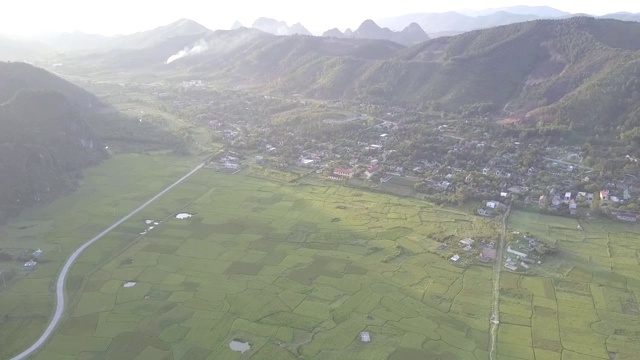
(456, 22)
(236, 25)
(538, 72)
(404, 30)
(276, 27)
(623, 16)
(412, 34)
(540, 11)
(80, 41)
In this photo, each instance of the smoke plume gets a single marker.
(198, 48)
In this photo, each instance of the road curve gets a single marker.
(62, 278)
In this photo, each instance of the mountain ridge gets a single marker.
(411, 34)
(44, 139)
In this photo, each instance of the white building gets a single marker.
(365, 337)
(516, 253)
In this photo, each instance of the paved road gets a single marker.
(62, 278)
(495, 308)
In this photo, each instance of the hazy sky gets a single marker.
(128, 16)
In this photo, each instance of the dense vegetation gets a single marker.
(552, 76)
(43, 144)
(51, 129)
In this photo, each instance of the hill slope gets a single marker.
(561, 74)
(44, 142)
(51, 129)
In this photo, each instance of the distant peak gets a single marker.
(413, 27)
(236, 25)
(369, 24)
(335, 32)
(188, 24)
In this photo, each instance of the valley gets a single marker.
(466, 197)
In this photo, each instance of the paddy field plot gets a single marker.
(295, 271)
(583, 302)
(107, 192)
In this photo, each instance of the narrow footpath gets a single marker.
(495, 307)
(62, 278)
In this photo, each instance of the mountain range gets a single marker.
(411, 34)
(568, 74)
(78, 41)
(456, 22)
(571, 73)
(276, 27)
(405, 29)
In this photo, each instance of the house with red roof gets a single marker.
(341, 173)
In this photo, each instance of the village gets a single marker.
(445, 159)
(27, 257)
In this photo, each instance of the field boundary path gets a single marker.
(495, 307)
(62, 278)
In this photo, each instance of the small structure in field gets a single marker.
(365, 337)
(30, 265)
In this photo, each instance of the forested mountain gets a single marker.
(51, 129)
(572, 75)
(44, 141)
(16, 76)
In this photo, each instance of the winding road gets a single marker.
(495, 307)
(62, 278)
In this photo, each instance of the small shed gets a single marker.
(467, 242)
(30, 265)
(365, 337)
(455, 258)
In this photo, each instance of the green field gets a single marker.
(582, 303)
(108, 192)
(298, 271)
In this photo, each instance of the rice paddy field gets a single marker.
(583, 302)
(295, 271)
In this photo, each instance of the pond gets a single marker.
(239, 346)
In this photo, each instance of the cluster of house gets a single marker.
(573, 200)
(229, 161)
(32, 256)
(343, 173)
(487, 252)
(524, 257)
(491, 207)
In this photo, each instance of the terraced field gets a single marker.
(584, 302)
(298, 271)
